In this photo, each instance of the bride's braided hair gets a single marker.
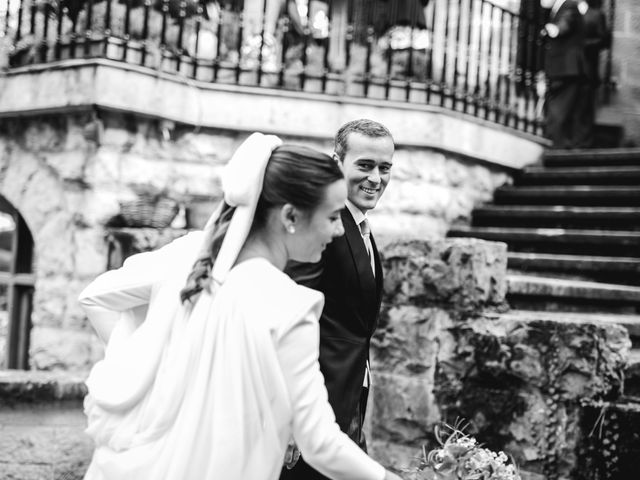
(200, 276)
(296, 175)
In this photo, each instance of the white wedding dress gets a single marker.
(214, 391)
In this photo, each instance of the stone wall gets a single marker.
(42, 427)
(67, 174)
(446, 349)
(625, 105)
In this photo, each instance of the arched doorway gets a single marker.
(17, 280)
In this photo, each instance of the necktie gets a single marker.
(366, 236)
(365, 230)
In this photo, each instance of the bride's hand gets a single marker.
(291, 456)
(391, 476)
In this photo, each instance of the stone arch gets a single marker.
(32, 181)
(17, 285)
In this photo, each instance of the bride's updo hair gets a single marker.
(295, 174)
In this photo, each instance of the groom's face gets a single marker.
(367, 169)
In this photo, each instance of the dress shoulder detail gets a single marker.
(275, 294)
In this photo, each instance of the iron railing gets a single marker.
(478, 57)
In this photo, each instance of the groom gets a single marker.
(350, 277)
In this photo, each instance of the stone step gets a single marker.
(624, 270)
(630, 322)
(592, 157)
(597, 195)
(609, 133)
(557, 294)
(612, 218)
(558, 240)
(609, 175)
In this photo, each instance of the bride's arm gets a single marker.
(323, 445)
(115, 291)
(130, 286)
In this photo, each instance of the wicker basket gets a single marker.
(149, 212)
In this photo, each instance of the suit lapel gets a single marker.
(379, 276)
(361, 263)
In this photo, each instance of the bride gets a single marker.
(212, 365)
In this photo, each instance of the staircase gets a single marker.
(572, 225)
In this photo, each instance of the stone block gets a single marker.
(54, 245)
(75, 138)
(27, 444)
(394, 226)
(416, 197)
(70, 471)
(45, 135)
(43, 393)
(626, 52)
(405, 408)
(104, 168)
(409, 339)
(35, 411)
(403, 458)
(69, 165)
(50, 300)
(189, 178)
(425, 166)
(463, 274)
(519, 379)
(55, 348)
(73, 450)
(90, 252)
(19, 471)
(210, 148)
(113, 136)
(141, 168)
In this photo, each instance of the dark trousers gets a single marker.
(586, 127)
(565, 123)
(303, 471)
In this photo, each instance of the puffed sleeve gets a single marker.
(130, 286)
(323, 445)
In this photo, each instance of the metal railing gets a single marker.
(478, 57)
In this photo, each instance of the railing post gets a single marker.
(5, 29)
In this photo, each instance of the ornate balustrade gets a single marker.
(477, 57)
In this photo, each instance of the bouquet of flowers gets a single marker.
(460, 457)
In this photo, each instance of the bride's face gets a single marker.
(320, 227)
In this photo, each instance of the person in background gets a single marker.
(597, 38)
(565, 69)
(212, 356)
(350, 276)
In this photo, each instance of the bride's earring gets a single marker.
(291, 229)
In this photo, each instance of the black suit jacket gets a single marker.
(350, 315)
(564, 55)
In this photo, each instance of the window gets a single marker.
(17, 282)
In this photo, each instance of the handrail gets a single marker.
(478, 57)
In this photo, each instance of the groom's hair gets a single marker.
(295, 174)
(363, 126)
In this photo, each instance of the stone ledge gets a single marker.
(82, 84)
(41, 386)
